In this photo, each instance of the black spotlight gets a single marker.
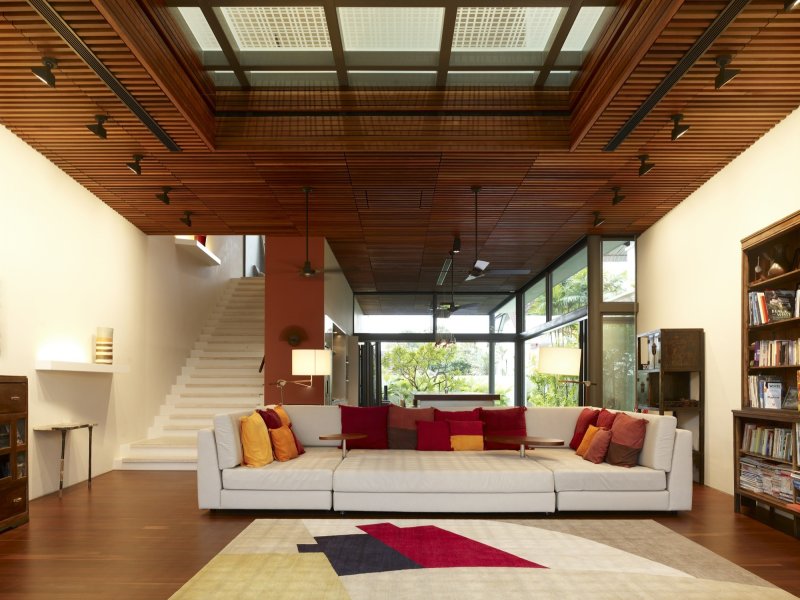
(135, 166)
(791, 5)
(456, 245)
(45, 72)
(677, 129)
(725, 74)
(645, 167)
(164, 195)
(186, 219)
(598, 220)
(97, 128)
(617, 196)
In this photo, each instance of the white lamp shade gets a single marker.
(311, 362)
(560, 361)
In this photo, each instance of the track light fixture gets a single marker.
(45, 72)
(598, 220)
(186, 219)
(97, 127)
(791, 5)
(677, 129)
(135, 166)
(164, 195)
(456, 245)
(617, 196)
(725, 74)
(644, 166)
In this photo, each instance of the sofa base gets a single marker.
(445, 502)
(627, 500)
(276, 500)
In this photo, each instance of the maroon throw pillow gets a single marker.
(627, 440)
(504, 421)
(587, 417)
(433, 436)
(605, 420)
(457, 415)
(403, 426)
(371, 420)
(598, 448)
(300, 448)
(271, 418)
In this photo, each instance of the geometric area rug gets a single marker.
(444, 559)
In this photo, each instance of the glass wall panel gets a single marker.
(570, 284)
(504, 372)
(505, 318)
(408, 367)
(393, 313)
(619, 271)
(544, 389)
(535, 302)
(619, 347)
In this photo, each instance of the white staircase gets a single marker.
(220, 375)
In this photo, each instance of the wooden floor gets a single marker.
(138, 534)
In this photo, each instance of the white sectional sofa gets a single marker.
(546, 480)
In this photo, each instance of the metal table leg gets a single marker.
(90, 456)
(61, 465)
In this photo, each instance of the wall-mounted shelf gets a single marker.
(58, 365)
(198, 251)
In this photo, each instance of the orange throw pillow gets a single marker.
(283, 443)
(587, 439)
(283, 415)
(256, 448)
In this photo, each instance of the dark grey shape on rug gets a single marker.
(355, 554)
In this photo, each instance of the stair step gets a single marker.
(223, 407)
(166, 442)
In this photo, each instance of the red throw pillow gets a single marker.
(457, 415)
(504, 421)
(627, 439)
(271, 418)
(466, 435)
(403, 426)
(587, 417)
(598, 447)
(605, 420)
(371, 420)
(433, 435)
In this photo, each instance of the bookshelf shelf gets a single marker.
(768, 385)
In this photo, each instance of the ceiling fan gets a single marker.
(479, 267)
(307, 270)
(445, 309)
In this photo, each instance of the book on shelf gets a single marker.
(761, 477)
(774, 353)
(790, 399)
(771, 306)
(763, 391)
(766, 441)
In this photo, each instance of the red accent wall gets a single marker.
(292, 302)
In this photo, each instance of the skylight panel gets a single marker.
(585, 25)
(257, 28)
(391, 28)
(505, 28)
(200, 28)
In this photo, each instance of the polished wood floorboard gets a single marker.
(138, 534)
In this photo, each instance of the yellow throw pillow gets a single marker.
(587, 439)
(466, 442)
(283, 443)
(256, 447)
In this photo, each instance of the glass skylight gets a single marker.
(499, 78)
(200, 28)
(278, 27)
(505, 28)
(585, 24)
(293, 78)
(392, 78)
(391, 28)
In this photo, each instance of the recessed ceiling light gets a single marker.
(135, 166)
(45, 72)
(97, 127)
(677, 129)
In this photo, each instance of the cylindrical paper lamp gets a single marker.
(104, 346)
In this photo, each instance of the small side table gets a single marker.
(524, 441)
(64, 428)
(343, 437)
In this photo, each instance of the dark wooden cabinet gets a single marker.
(671, 378)
(13, 451)
(767, 428)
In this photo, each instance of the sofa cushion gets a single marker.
(283, 444)
(371, 420)
(227, 435)
(403, 425)
(627, 439)
(433, 436)
(256, 447)
(309, 421)
(587, 417)
(598, 447)
(407, 471)
(507, 421)
(312, 471)
(587, 439)
(466, 435)
(572, 473)
(457, 415)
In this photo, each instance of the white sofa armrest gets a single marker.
(209, 477)
(679, 478)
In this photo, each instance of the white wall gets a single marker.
(68, 264)
(338, 294)
(689, 272)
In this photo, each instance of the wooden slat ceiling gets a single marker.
(392, 170)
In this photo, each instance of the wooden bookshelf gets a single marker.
(779, 243)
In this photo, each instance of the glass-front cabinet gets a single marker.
(13, 451)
